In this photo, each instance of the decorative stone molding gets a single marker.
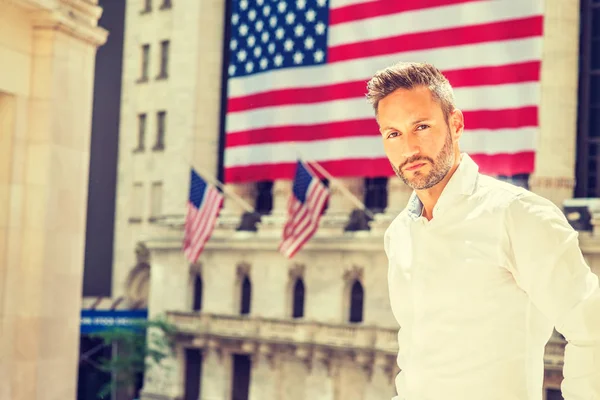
(353, 273)
(552, 182)
(196, 269)
(242, 270)
(365, 360)
(266, 352)
(73, 17)
(213, 346)
(296, 271)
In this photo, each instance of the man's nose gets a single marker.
(411, 147)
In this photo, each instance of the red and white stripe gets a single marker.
(303, 219)
(200, 222)
(489, 50)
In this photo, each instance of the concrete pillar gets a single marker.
(216, 374)
(380, 386)
(263, 382)
(555, 157)
(169, 289)
(319, 382)
(45, 124)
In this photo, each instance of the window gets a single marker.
(376, 194)
(147, 6)
(141, 132)
(161, 118)
(246, 296)
(298, 299)
(145, 63)
(164, 60)
(587, 183)
(156, 195)
(197, 305)
(264, 199)
(137, 202)
(356, 302)
(166, 4)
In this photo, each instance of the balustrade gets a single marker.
(282, 331)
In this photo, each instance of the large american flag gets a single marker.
(298, 72)
(305, 206)
(204, 204)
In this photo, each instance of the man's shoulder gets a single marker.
(508, 195)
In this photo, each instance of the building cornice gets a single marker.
(77, 18)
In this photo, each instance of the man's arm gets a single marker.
(549, 266)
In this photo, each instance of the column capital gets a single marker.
(75, 18)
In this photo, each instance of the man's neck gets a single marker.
(429, 197)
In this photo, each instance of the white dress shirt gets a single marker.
(478, 289)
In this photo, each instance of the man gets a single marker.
(480, 271)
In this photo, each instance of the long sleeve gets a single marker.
(549, 266)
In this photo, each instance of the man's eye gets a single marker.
(392, 135)
(422, 126)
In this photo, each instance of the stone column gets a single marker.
(216, 373)
(556, 147)
(381, 379)
(340, 206)
(398, 195)
(320, 381)
(169, 287)
(263, 382)
(45, 125)
(272, 225)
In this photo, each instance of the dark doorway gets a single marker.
(193, 373)
(91, 379)
(197, 306)
(298, 305)
(246, 296)
(356, 302)
(241, 377)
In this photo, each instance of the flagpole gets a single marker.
(342, 187)
(243, 203)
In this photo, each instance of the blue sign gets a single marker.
(93, 321)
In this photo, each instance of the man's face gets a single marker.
(416, 137)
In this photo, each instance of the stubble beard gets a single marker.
(439, 168)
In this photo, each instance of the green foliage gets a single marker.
(145, 344)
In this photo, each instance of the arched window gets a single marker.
(197, 304)
(246, 296)
(298, 299)
(356, 302)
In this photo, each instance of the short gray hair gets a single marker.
(409, 75)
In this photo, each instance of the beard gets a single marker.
(439, 168)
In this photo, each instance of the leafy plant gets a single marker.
(138, 347)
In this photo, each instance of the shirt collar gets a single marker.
(462, 182)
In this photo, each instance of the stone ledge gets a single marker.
(289, 332)
(156, 396)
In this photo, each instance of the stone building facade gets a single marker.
(252, 324)
(47, 55)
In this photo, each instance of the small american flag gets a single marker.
(204, 204)
(306, 204)
(298, 70)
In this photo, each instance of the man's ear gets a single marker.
(457, 123)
